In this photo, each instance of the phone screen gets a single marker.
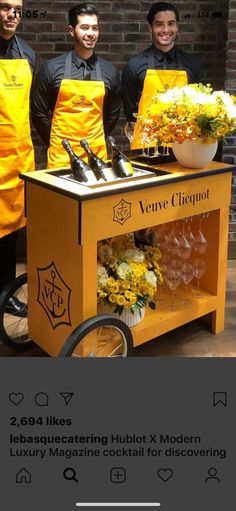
(117, 350)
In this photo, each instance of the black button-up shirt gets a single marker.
(135, 71)
(9, 50)
(48, 81)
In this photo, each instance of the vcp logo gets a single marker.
(54, 295)
(122, 212)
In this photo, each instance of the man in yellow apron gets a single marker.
(157, 68)
(77, 95)
(17, 61)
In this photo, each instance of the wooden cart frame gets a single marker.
(67, 219)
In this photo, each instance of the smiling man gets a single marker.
(160, 66)
(17, 61)
(77, 95)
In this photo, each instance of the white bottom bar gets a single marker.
(118, 504)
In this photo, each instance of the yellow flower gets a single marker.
(192, 112)
(111, 281)
(138, 269)
(124, 284)
(102, 295)
(112, 298)
(130, 296)
(127, 274)
(144, 288)
(120, 300)
(151, 291)
(114, 288)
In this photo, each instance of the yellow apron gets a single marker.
(78, 114)
(16, 149)
(156, 80)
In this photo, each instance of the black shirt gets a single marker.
(48, 81)
(10, 49)
(135, 71)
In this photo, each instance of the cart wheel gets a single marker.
(99, 336)
(13, 327)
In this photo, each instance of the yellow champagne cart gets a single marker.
(66, 220)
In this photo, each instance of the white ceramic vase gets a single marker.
(194, 155)
(126, 316)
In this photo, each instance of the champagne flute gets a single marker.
(199, 268)
(173, 280)
(160, 237)
(189, 234)
(200, 242)
(145, 141)
(156, 151)
(184, 247)
(176, 264)
(187, 275)
(129, 131)
(172, 242)
(166, 150)
(165, 262)
(184, 244)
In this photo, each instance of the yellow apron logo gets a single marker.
(13, 84)
(82, 102)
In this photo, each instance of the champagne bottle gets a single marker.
(120, 162)
(79, 167)
(99, 167)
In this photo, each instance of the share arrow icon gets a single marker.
(67, 396)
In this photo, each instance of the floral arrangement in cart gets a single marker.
(193, 112)
(127, 277)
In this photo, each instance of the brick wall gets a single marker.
(229, 151)
(203, 31)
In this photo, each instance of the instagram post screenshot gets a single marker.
(117, 255)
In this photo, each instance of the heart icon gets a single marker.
(16, 398)
(165, 474)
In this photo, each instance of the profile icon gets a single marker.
(212, 475)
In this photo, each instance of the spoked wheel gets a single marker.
(14, 325)
(99, 336)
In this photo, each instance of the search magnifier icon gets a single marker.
(70, 474)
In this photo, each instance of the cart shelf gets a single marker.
(163, 319)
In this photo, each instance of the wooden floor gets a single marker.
(191, 340)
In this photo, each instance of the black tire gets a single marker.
(77, 337)
(14, 328)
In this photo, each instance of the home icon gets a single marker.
(23, 476)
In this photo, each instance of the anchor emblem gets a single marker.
(122, 212)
